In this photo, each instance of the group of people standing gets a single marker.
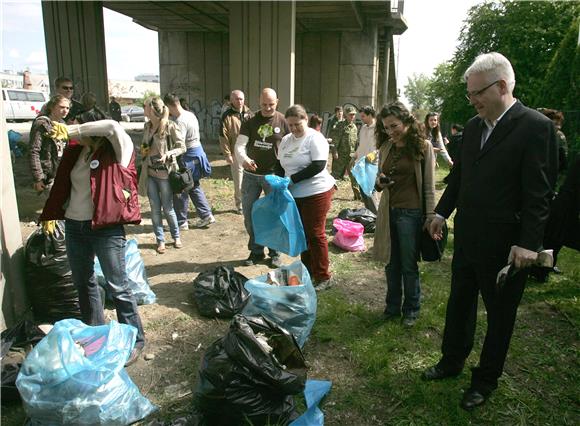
(85, 165)
(501, 183)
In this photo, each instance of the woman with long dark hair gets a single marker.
(433, 132)
(406, 180)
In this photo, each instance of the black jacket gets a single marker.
(503, 190)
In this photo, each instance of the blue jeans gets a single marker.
(252, 187)
(108, 244)
(160, 194)
(181, 203)
(402, 271)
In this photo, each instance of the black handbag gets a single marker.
(182, 179)
(432, 250)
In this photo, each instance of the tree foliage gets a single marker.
(528, 33)
(416, 92)
(147, 94)
(561, 89)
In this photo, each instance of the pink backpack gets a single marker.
(349, 235)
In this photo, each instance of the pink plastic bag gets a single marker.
(349, 235)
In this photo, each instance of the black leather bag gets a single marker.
(182, 179)
(432, 250)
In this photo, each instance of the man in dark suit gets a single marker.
(501, 188)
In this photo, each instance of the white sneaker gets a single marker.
(204, 223)
(184, 226)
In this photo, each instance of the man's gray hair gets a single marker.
(496, 66)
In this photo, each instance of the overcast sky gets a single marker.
(431, 39)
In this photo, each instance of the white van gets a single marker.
(21, 104)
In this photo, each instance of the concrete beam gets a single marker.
(357, 13)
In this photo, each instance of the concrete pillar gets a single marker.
(12, 291)
(357, 70)
(75, 46)
(262, 49)
(195, 66)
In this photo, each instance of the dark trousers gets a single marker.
(468, 279)
(108, 244)
(313, 212)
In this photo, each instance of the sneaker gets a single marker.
(253, 259)
(275, 261)
(323, 285)
(184, 226)
(178, 244)
(134, 356)
(204, 223)
(409, 321)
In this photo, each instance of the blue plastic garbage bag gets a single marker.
(276, 220)
(365, 174)
(75, 376)
(313, 393)
(136, 274)
(291, 307)
(13, 139)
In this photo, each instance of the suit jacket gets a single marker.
(502, 191)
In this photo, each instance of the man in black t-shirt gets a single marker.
(255, 149)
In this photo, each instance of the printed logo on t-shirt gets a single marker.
(263, 144)
(265, 131)
(276, 130)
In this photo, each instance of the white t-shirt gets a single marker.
(296, 154)
(189, 127)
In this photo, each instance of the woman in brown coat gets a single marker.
(406, 180)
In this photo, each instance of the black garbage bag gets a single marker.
(250, 375)
(220, 293)
(363, 216)
(49, 281)
(16, 343)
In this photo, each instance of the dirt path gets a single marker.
(176, 335)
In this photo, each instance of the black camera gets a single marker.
(385, 180)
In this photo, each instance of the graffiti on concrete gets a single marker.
(209, 117)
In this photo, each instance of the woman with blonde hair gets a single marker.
(45, 149)
(162, 143)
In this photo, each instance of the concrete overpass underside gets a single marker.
(317, 53)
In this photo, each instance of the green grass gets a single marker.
(540, 383)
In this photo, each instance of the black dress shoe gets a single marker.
(471, 399)
(438, 373)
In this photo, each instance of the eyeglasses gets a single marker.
(66, 87)
(470, 95)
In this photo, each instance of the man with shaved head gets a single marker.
(255, 150)
(232, 120)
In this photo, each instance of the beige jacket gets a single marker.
(172, 146)
(230, 130)
(382, 245)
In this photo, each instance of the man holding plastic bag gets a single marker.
(302, 157)
(256, 148)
